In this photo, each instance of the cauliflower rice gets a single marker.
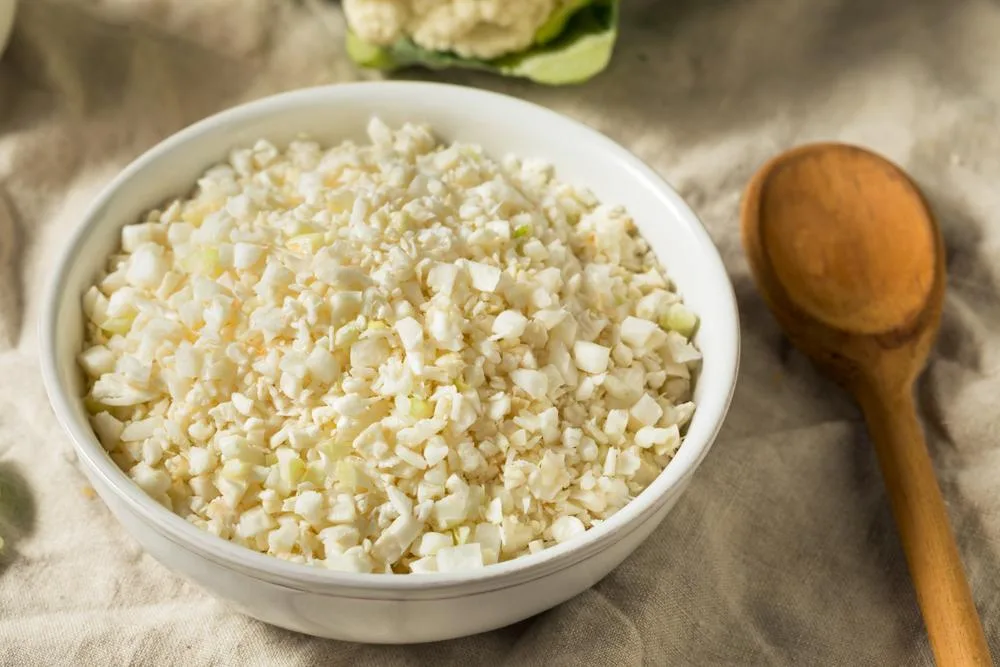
(395, 357)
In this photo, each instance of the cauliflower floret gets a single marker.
(378, 21)
(483, 29)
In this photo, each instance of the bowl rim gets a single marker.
(307, 577)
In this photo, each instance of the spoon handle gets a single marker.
(956, 634)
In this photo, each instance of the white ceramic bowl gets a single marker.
(378, 607)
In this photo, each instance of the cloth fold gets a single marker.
(782, 552)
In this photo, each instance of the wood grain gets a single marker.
(849, 258)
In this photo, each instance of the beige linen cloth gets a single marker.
(783, 552)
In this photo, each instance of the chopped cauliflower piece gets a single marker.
(638, 333)
(534, 383)
(395, 357)
(457, 559)
(108, 429)
(430, 543)
(509, 325)
(485, 278)
(591, 357)
(566, 528)
(647, 411)
(424, 565)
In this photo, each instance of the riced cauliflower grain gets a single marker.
(395, 357)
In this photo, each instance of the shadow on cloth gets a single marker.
(17, 512)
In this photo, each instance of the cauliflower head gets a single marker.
(483, 29)
(549, 41)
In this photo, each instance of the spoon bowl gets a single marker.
(849, 258)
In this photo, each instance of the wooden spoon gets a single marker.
(849, 258)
